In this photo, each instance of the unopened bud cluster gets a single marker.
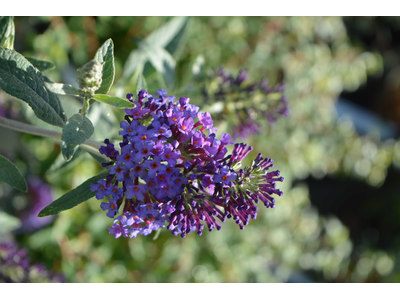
(89, 78)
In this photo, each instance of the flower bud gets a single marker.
(90, 77)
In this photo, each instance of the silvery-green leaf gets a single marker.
(73, 197)
(169, 35)
(8, 223)
(114, 101)
(19, 78)
(10, 174)
(41, 65)
(7, 32)
(140, 84)
(105, 56)
(77, 130)
(164, 63)
(135, 61)
(62, 89)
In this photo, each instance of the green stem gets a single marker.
(89, 145)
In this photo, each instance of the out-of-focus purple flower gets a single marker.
(15, 267)
(39, 194)
(255, 102)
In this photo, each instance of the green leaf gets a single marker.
(77, 130)
(105, 56)
(164, 63)
(140, 84)
(7, 32)
(8, 223)
(135, 61)
(41, 65)
(60, 163)
(11, 175)
(114, 101)
(168, 35)
(73, 197)
(62, 89)
(19, 78)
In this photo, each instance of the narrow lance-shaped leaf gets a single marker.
(62, 89)
(135, 62)
(114, 101)
(73, 197)
(140, 84)
(164, 35)
(105, 56)
(10, 174)
(164, 63)
(19, 78)
(41, 65)
(77, 130)
(7, 32)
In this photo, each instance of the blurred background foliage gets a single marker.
(338, 151)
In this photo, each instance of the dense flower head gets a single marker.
(171, 171)
(15, 267)
(246, 103)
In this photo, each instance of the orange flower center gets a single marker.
(167, 155)
(144, 138)
(136, 114)
(127, 157)
(160, 131)
(112, 206)
(136, 188)
(129, 130)
(144, 151)
(224, 177)
(184, 127)
(154, 165)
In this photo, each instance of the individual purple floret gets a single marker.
(173, 171)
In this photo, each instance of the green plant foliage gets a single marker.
(114, 101)
(73, 197)
(62, 89)
(19, 78)
(77, 130)
(105, 56)
(10, 174)
(41, 65)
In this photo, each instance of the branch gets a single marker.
(89, 145)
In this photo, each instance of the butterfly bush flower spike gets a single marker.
(172, 172)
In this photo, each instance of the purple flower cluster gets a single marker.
(248, 103)
(15, 267)
(168, 169)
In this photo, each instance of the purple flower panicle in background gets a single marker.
(170, 172)
(247, 103)
(40, 196)
(15, 267)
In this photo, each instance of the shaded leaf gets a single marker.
(60, 163)
(62, 89)
(7, 32)
(77, 130)
(73, 197)
(41, 65)
(19, 78)
(10, 174)
(114, 101)
(105, 56)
